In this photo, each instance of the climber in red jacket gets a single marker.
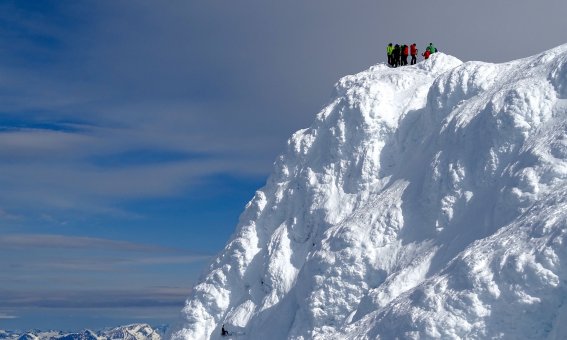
(405, 53)
(413, 52)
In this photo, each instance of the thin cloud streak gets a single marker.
(67, 255)
(91, 189)
(7, 316)
(59, 271)
(110, 265)
(5, 215)
(126, 298)
(25, 241)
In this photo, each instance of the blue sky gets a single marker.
(133, 133)
(119, 180)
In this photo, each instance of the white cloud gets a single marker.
(6, 215)
(60, 242)
(100, 298)
(39, 270)
(4, 315)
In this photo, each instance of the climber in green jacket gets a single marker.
(390, 51)
(432, 49)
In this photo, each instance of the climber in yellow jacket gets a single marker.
(390, 51)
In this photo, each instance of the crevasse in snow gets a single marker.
(427, 201)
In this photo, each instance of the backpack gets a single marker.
(405, 50)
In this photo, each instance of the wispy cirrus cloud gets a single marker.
(4, 315)
(111, 298)
(27, 241)
(59, 271)
(132, 252)
(8, 216)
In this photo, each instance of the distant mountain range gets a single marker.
(130, 332)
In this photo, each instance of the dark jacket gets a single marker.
(396, 52)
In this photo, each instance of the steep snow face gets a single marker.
(426, 201)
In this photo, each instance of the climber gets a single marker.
(389, 51)
(426, 54)
(224, 332)
(432, 49)
(396, 55)
(405, 53)
(413, 51)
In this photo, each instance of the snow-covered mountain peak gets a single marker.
(425, 201)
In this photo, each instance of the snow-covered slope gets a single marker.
(427, 201)
(132, 332)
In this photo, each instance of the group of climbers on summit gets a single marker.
(398, 54)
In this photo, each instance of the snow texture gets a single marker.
(427, 201)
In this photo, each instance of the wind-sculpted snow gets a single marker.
(425, 201)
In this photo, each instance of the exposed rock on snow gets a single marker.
(427, 201)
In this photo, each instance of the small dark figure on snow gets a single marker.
(223, 331)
